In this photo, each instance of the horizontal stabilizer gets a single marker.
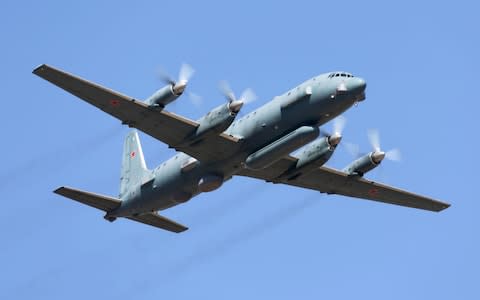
(107, 204)
(157, 220)
(104, 203)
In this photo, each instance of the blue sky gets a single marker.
(248, 240)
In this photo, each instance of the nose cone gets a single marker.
(357, 87)
(359, 84)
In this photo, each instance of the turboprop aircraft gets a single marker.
(217, 147)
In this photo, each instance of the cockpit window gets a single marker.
(331, 75)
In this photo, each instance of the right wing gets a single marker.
(330, 181)
(165, 126)
(107, 204)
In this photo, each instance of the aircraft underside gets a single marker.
(218, 146)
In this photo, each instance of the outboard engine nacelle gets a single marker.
(163, 96)
(173, 90)
(365, 163)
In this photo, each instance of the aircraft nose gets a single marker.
(357, 87)
(359, 84)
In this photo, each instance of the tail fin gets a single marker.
(134, 170)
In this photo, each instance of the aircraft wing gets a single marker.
(165, 126)
(330, 181)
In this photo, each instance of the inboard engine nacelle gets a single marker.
(315, 155)
(217, 120)
(281, 147)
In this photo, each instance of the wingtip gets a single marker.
(39, 69)
(443, 206)
(59, 190)
(182, 230)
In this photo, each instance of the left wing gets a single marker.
(165, 126)
(330, 181)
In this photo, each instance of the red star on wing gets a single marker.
(373, 192)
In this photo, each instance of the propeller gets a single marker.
(352, 149)
(338, 126)
(196, 99)
(184, 75)
(378, 155)
(234, 103)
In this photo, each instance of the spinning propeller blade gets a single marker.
(186, 72)
(374, 138)
(248, 96)
(338, 126)
(184, 75)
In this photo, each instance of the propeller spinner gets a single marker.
(378, 155)
(234, 104)
(184, 75)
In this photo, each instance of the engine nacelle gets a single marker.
(364, 164)
(163, 96)
(217, 120)
(281, 147)
(315, 155)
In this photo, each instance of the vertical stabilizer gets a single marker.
(134, 170)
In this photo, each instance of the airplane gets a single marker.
(217, 147)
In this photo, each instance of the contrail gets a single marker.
(52, 161)
(214, 250)
(204, 219)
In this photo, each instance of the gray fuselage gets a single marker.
(312, 103)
